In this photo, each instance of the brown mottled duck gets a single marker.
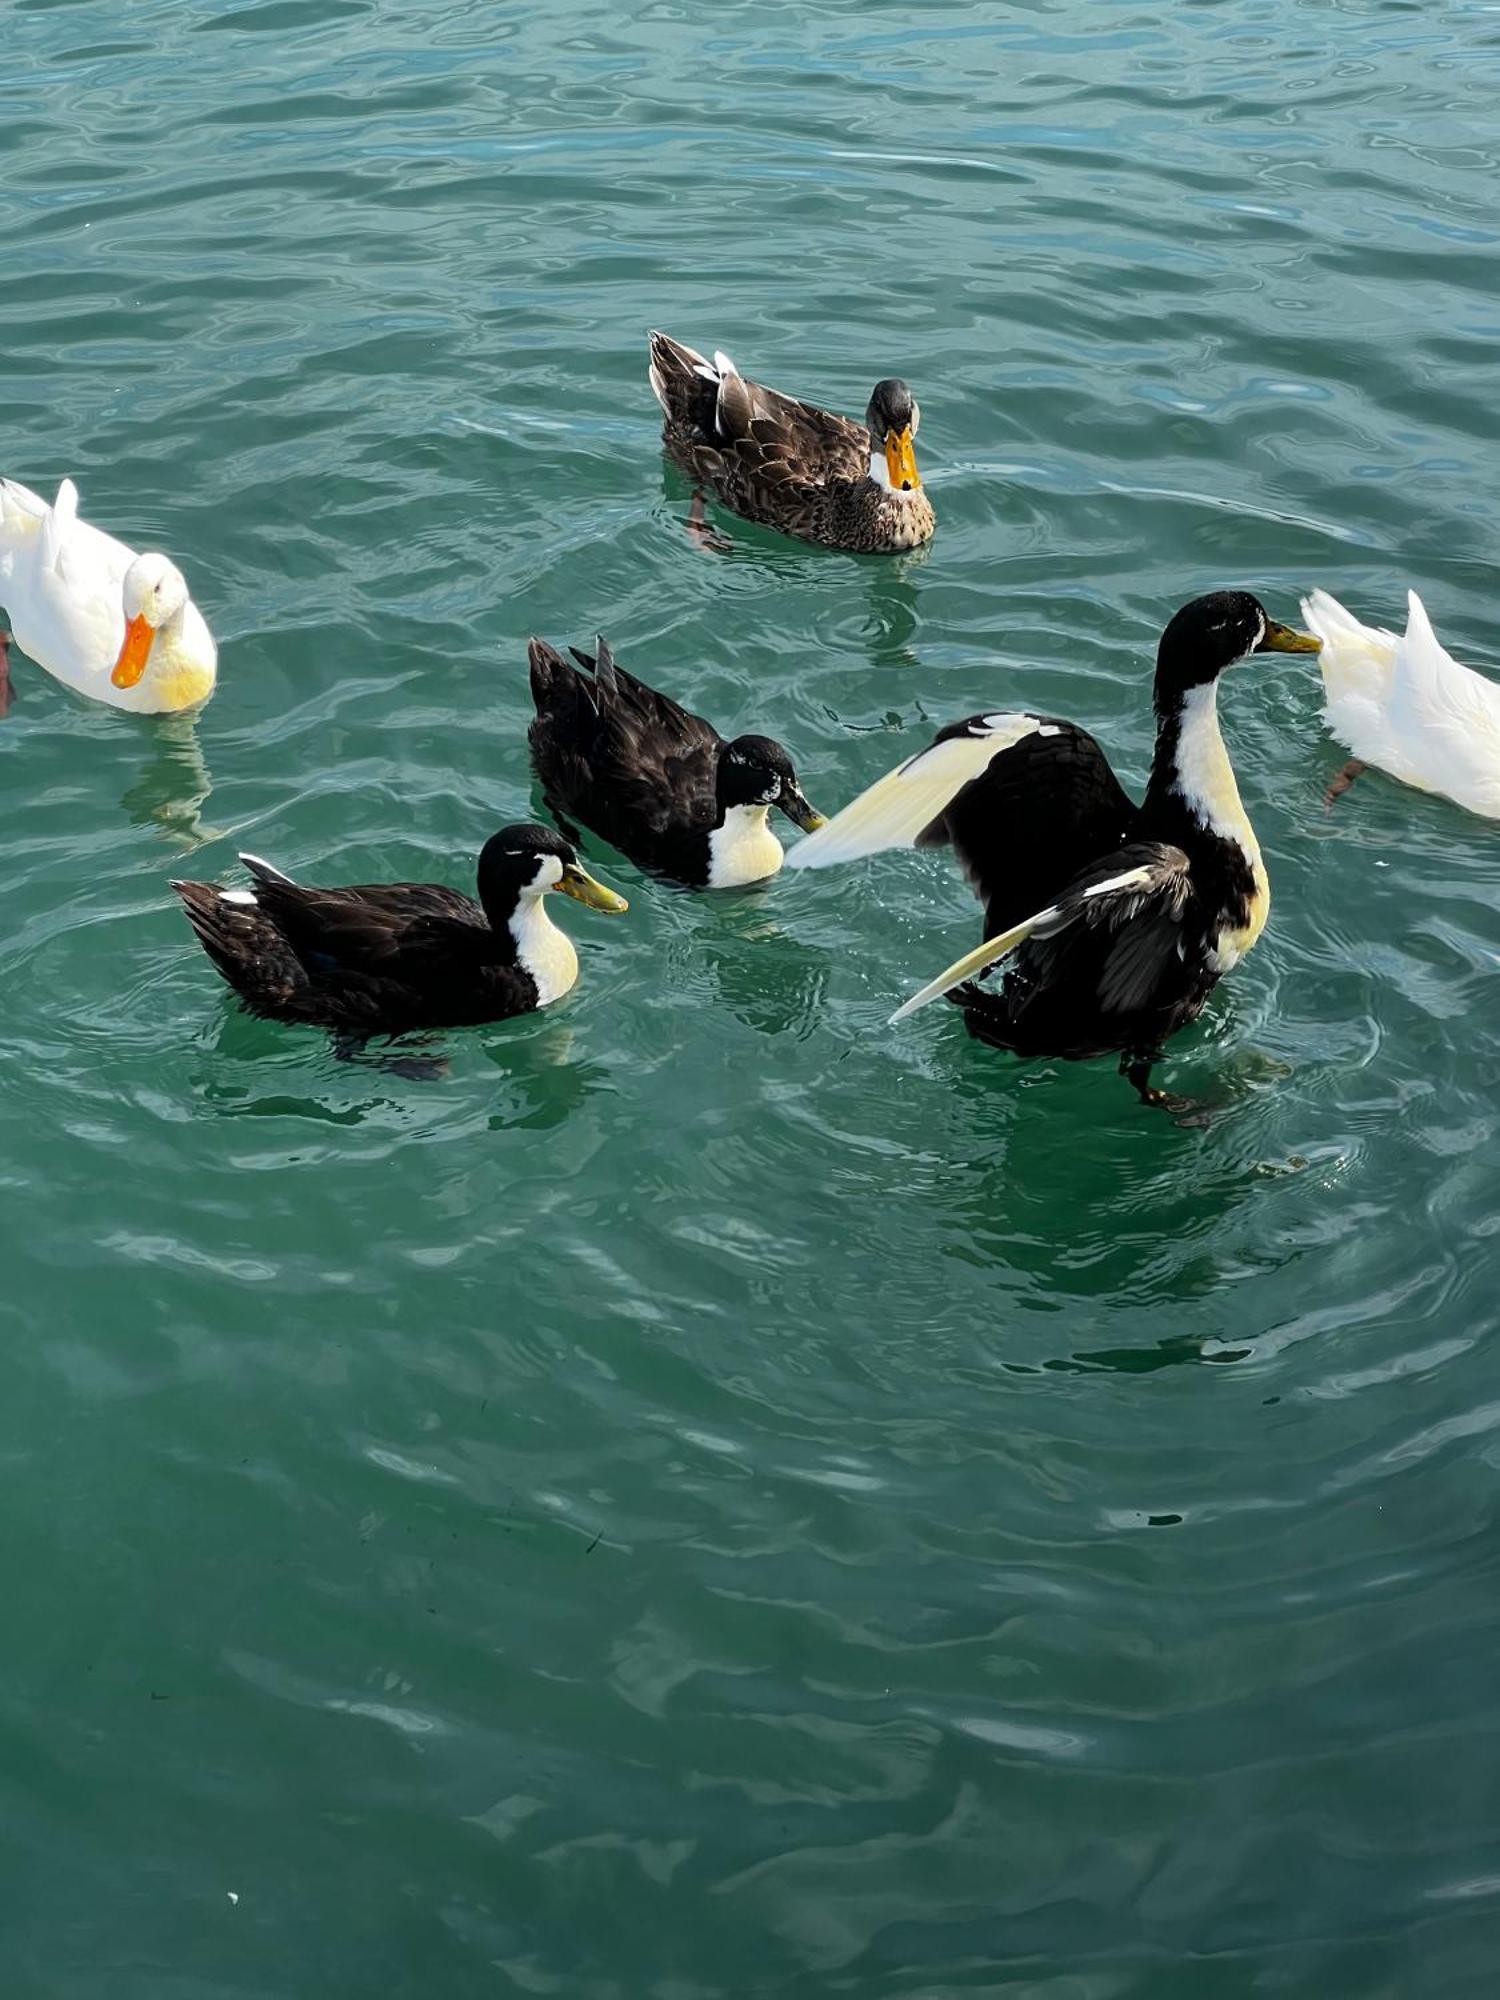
(789, 465)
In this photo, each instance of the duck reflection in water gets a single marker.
(174, 785)
(542, 1083)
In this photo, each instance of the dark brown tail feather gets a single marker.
(687, 398)
(245, 948)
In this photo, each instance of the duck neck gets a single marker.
(165, 639)
(742, 847)
(541, 948)
(1192, 792)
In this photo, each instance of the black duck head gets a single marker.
(526, 861)
(756, 771)
(1212, 633)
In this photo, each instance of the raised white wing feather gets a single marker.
(898, 806)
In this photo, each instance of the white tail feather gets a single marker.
(58, 524)
(896, 808)
(1357, 661)
(266, 868)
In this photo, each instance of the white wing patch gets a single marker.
(244, 898)
(898, 806)
(1133, 878)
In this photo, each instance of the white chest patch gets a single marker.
(743, 849)
(543, 950)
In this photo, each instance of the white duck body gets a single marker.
(1405, 705)
(82, 604)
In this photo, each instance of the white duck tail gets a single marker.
(1406, 705)
(1358, 661)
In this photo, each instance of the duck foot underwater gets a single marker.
(1355, 768)
(1136, 1070)
(712, 541)
(407, 1063)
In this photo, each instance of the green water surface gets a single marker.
(714, 1496)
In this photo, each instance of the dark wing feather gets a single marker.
(362, 961)
(1038, 815)
(1114, 965)
(247, 950)
(727, 425)
(618, 756)
(412, 930)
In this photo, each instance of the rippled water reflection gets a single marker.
(709, 1494)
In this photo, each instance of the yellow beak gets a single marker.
(134, 654)
(1283, 639)
(581, 886)
(901, 461)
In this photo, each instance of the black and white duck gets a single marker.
(655, 781)
(1118, 919)
(392, 957)
(788, 464)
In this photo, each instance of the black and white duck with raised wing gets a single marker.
(1117, 920)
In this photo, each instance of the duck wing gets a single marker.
(60, 583)
(364, 960)
(1025, 801)
(248, 950)
(721, 420)
(413, 930)
(1444, 719)
(622, 757)
(1100, 965)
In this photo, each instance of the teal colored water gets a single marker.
(713, 1495)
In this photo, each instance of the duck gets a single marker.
(789, 465)
(394, 957)
(1405, 705)
(1118, 919)
(655, 781)
(118, 627)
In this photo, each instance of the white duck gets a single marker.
(1407, 706)
(113, 625)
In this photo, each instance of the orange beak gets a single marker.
(134, 653)
(901, 461)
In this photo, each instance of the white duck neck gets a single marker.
(542, 949)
